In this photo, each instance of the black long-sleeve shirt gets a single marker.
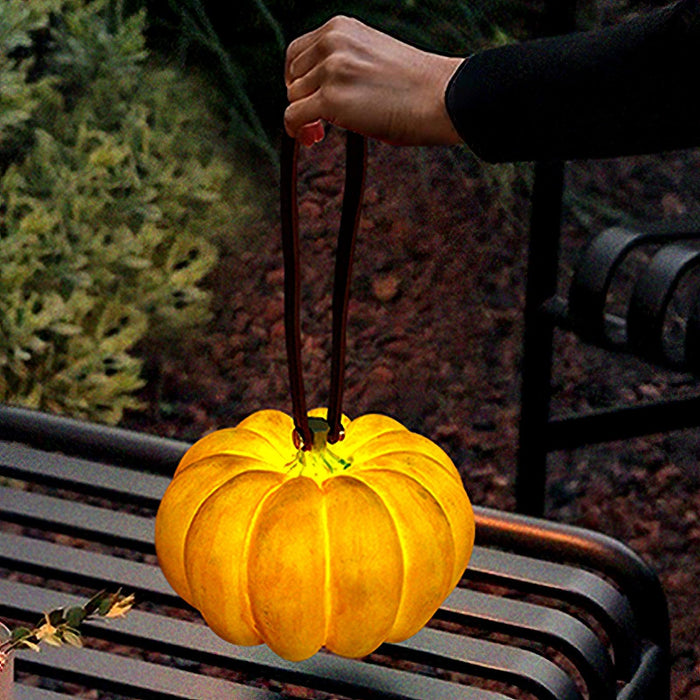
(627, 89)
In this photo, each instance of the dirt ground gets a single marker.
(434, 341)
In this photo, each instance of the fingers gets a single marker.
(295, 63)
(301, 116)
(305, 85)
(302, 61)
(302, 121)
(308, 50)
(315, 61)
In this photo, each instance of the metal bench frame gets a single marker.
(555, 611)
(639, 330)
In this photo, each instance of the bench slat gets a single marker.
(90, 569)
(549, 626)
(19, 461)
(560, 581)
(77, 519)
(132, 676)
(511, 664)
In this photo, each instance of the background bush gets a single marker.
(116, 186)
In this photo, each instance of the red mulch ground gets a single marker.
(434, 340)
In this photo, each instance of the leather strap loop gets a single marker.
(356, 156)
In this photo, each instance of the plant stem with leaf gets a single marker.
(62, 625)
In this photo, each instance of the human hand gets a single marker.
(361, 79)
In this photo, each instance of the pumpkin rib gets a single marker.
(264, 466)
(199, 508)
(399, 539)
(327, 602)
(390, 425)
(193, 517)
(174, 491)
(244, 630)
(404, 442)
(246, 553)
(438, 502)
(287, 570)
(265, 439)
(197, 511)
(271, 422)
(459, 565)
(365, 596)
(403, 539)
(238, 434)
(198, 447)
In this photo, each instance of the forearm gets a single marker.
(622, 90)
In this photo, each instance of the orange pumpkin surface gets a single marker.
(344, 546)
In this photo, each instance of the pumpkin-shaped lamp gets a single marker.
(344, 546)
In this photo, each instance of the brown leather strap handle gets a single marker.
(290, 250)
(356, 155)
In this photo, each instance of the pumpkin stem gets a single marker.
(319, 461)
(319, 430)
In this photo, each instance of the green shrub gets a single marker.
(19, 21)
(108, 222)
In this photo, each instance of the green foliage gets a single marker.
(19, 21)
(108, 222)
(62, 625)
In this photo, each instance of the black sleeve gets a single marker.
(622, 90)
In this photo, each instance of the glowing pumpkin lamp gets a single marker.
(342, 546)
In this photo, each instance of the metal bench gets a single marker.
(544, 611)
(640, 321)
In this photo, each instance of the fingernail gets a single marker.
(311, 134)
(317, 131)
